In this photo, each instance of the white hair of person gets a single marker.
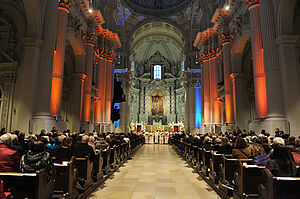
(61, 138)
(85, 138)
(6, 139)
(91, 139)
(278, 140)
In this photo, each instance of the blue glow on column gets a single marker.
(198, 108)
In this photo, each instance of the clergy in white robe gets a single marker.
(156, 137)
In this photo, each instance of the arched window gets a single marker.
(157, 71)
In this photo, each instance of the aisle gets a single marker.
(155, 172)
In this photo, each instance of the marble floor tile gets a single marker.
(155, 172)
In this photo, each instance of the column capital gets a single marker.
(287, 39)
(89, 38)
(233, 76)
(251, 3)
(65, 4)
(81, 76)
(32, 42)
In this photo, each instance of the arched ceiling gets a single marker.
(157, 36)
(157, 7)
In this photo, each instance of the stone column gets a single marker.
(76, 99)
(41, 117)
(258, 59)
(187, 106)
(192, 107)
(26, 84)
(214, 91)
(289, 64)
(99, 105)
(109, 92)
(276, 115)
(90, 40)
(59, 58)
(226, 45)
(206, 97)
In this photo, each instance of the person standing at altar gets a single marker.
(146, 137)
(161, 137)
(156, 137)
(166, 137)
(151, 137)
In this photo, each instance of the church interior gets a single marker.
(157, 99)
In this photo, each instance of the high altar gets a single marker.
(157, 101)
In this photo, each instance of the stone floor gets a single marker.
(155, 172)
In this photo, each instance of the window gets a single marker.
(157, 71)
(132, 66)
(182, 65)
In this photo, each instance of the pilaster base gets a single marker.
(46, 122)
(195, 131)
(228, 128)
(87, 126)
(104, 127)
(269, 124)
(205, 129)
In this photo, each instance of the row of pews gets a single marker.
(237, 178)
(65, 184)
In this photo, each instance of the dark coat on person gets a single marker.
(63, 154)
(9, 159)
(280, 168)
(34, 161)
(82, 150)
(227, 149)
(241, 153)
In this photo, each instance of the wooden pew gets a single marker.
(247, 179)
(228, 168)
(215, 171)
(28, 185)
(199, 163)
(85, 168)
(97, 169)
(206, 156)
(106, 157)
(278, 187)
(195, 155)
(65, 180)
(113, 157)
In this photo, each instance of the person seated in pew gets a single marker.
(83, 149)
(207, 143)
(17, 146)
(64, 152)
(241, 150)
(282, 163)
(92, 142)
(101, 144)
(296, 152)
(260, 157)
(225, 147)
(36, 158)
(9, 158)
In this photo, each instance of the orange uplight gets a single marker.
(57, 84)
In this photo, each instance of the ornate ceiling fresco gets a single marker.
(157, 7)
(157, 36)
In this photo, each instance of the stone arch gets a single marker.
(285, 17)
(33, 10)
(165, 20)
(78, 50)
(237, 51)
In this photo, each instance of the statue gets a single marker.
(132, 126)
(170, 126)
(144, 126)
(181, 126)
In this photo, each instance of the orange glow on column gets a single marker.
(206, 92)
(108, 95)
(97, 111)
(58, 63)
(261, 90)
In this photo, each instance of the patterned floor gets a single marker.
(155, 172)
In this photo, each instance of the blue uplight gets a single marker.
(198, 107)
(117, 123)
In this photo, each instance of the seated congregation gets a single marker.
(60, 165)
(244, 164)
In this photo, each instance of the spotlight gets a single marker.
(227, 7)
(90, 10)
